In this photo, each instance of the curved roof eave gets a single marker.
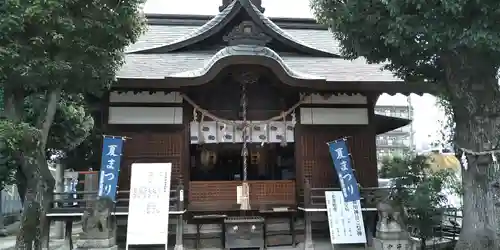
(384, 124)
(208, 29)
(220, 21)
(246, 54)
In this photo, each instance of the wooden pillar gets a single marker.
(179, 235)
(308, 241)
(68, 231)
(45, 221)
(90, 187)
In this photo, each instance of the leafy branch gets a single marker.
(15, 138)
(420, 191)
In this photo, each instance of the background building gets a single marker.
(399, 140)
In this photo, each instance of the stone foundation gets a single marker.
(96, 244)
(211, 234)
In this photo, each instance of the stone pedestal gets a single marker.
(392, 237)
(99, 227)
(379, 244)
(96, 244)
(391, 232)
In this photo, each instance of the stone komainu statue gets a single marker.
(390, 219)
(96, 221)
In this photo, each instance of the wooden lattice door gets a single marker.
(313, 158)
(153, 147)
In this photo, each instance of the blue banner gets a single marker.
(343, 165)
(110, 166)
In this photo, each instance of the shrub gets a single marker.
(420, 191)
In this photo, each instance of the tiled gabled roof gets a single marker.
(168, 31)
(158, 35)
(158, 66)
(222, 19)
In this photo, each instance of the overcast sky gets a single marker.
(427, 115)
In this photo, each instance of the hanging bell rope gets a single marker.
(245, 201)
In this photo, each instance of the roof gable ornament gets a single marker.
(247, 33)
(225, 18)
(257, 3)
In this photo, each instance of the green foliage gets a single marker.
(72, 124)
(420, 190)
(76, 45)
(71, 46)
(387, 163)
(53, 52)
(15, 138)
(85, 154)
(418, 39)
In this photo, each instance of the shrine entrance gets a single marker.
(243, 141)
(223, 162)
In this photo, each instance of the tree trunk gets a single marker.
(471, 87)
(39, 185)
(474, 96)
(22, 183)
(30, 217)
(479, 211)
(37, 198)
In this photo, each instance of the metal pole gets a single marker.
(59, 178)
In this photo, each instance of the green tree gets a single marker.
(83, 152)
(453, 48)
(52, 52)
(387, 162)
(420, 191)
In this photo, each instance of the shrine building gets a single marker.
(239, 96)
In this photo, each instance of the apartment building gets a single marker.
(397, 141)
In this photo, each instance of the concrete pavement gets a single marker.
(8, 242)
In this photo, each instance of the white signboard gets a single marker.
(345, 219)
(149, 204)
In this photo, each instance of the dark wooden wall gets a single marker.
(313, 160)
(315, 164)
(266, 98)
(151, 146)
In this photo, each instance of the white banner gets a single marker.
(149, 204)
(345, 219)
